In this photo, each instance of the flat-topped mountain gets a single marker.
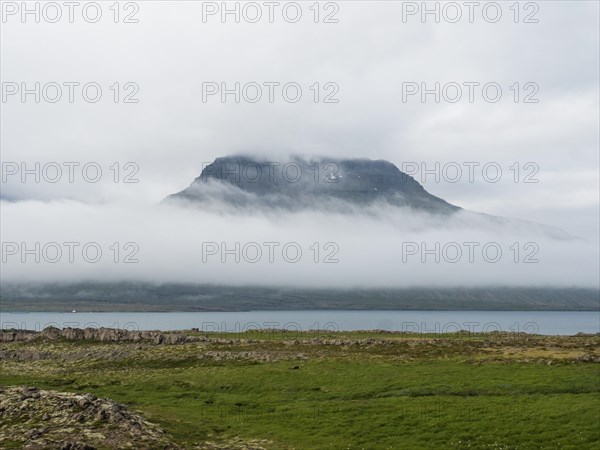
(333, 184)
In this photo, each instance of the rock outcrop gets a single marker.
(32, 418)
(96, 334)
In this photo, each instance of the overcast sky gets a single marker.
(368, 54)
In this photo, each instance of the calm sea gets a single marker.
(539, 322)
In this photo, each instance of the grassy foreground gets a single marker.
(321, 390)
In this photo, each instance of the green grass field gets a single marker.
(340, 390)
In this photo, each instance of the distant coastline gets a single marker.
(146, 297)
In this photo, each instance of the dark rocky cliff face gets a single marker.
(331, 184)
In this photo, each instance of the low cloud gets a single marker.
(378, 247)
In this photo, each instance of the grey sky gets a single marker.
(170, 133)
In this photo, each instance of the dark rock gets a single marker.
(51, 333)
(330, 184)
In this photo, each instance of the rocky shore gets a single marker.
(95, 334)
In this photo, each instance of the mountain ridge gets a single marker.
(298, 183)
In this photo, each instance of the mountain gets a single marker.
(331, 184)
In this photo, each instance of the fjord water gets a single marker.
(537, 322)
